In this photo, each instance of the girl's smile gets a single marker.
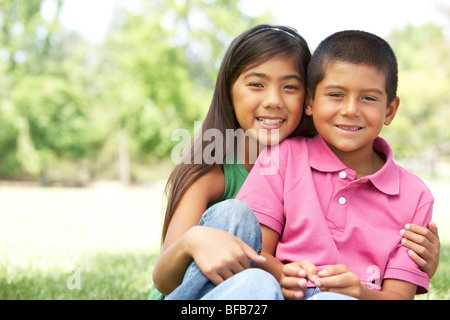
(269, 96)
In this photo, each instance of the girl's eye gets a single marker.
(291, 87)
(336, 95)
(256, 85)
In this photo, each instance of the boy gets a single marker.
(337, 200)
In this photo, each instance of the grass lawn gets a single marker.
(101, 242)
(96, 243)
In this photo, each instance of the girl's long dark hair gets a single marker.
(253, 47)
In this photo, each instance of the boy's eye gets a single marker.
(369, 99)
(290, 87)
(336, 95)
(256, 85)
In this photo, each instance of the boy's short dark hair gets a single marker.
(358, 47)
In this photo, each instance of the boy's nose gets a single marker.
(350, 108)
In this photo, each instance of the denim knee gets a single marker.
(250, 284)
(229, 210)
(236, 218)
(259, 285)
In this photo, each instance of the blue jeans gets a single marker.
(236, 218)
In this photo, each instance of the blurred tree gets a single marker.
(420, 130)
(159, 65)
(44, 114)
(63, 100)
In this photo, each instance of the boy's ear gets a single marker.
(308, 104)
(391, 111)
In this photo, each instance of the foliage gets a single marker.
(73, 111)
(420, 129)
(63, 100)
(44, 112)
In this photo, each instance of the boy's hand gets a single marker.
(338, 279)
(424, 244)
(293, 281)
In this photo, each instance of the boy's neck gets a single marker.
(363, 162)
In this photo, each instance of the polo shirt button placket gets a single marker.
(342, 174)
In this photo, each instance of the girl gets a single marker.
(260, 89)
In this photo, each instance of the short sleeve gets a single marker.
(263, 189)
(400, 266)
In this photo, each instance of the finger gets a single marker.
(215, 278)
(292, 294)
(419, 249)
(416, 231)
(416, 238)
(433, 228)
(293, 283)
(294, 270)
(251, 254)
(337, 281)
(311, 272)
(332, 270)
(422, 263)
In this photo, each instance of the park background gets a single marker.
(91, 91)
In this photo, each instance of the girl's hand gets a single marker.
(293, 281)
(338, 279)
(424, 244)
(218, 254)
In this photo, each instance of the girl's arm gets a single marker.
(218, 254)
(424, 244)
(176, 256)
(269, 244)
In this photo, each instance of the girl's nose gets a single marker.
(273, 99)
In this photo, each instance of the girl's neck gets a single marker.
(247, 152)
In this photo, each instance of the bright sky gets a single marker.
(313, 19)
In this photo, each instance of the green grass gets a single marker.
(119, 276)
(78, 243)
(106, 239)
(440, 283)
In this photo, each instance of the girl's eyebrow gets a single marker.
(267, 77)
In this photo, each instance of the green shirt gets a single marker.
(235, 175)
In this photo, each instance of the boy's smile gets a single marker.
(350, 108)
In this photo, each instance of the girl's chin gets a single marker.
(269, 139)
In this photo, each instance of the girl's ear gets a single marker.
(308, 104)
(391, 111)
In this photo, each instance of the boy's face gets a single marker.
(349, 107)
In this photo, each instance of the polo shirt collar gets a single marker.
(387, 180)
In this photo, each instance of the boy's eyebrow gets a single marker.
(265, 76)
(375, 90)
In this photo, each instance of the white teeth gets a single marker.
(349, 128)
(271, 121)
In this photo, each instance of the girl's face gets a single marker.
(268, 99)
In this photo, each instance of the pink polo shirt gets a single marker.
(304, 192)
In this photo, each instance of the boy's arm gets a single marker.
(291, 277)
